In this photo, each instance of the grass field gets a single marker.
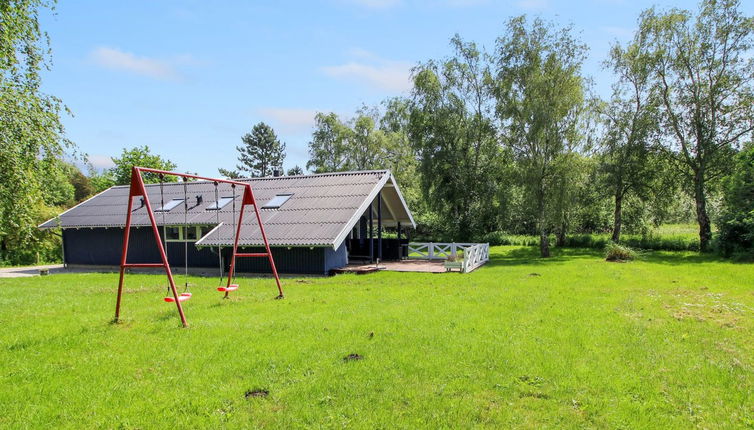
(570, 342)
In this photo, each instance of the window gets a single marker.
(169, 205)
(221, 203)
(189, 233)
(203, 230)
(277, 201)
(173, 233)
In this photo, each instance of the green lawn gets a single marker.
(570, 342)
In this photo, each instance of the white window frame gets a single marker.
(278, 206)
(182, 232)
(217, 207)
(170, 205)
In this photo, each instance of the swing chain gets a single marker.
(185, 229)
(217, 222)
(164, 227)
(233, 186)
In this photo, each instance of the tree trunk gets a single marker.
(705, 231)
(618, 215)
(544, 240)
(544, 243)
(561, 239)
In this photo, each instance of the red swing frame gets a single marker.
(138, 189)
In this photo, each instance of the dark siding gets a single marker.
(293, 260)
(336, 258)
(100, 246)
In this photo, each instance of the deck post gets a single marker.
(371, 233)
(400, 246)
(379, 226)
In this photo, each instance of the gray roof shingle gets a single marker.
(322, 208)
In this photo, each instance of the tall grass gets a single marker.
(675, 237)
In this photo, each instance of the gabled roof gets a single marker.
(321, 211)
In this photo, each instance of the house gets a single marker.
(314, 223)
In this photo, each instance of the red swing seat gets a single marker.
(182, 298)
(232, 287)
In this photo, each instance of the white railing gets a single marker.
(474, 254)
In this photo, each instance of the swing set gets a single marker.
(137, 189)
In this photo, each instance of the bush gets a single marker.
(736, 223)
(497, 238)
(617, 252)
(659, 242)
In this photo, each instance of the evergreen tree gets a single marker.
(261, 152)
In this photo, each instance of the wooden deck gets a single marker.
(427, 266)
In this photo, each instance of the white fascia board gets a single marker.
(199, 242)
(403, 201)
(364, 205)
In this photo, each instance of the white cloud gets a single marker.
(100, 162)
(373, 71)
(115, 59)
(533, 5)
(290, 120)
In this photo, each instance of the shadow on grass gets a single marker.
(683, 257)
(528, 256)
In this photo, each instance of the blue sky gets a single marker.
(189, 78)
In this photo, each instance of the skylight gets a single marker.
(221, 203)
(169, 205)
(277, 201)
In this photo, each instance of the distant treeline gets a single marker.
(508, 145)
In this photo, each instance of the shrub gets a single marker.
(736, 223)
(618, 252)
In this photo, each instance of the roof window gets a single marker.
(277, 201)
(169, 205)
(219, 204)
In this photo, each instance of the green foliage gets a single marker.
(120, 174)
(31, 134)
(617, 252)
(664, 238)
(540, 102)
(100, 181)
(82, 186)
(372, 139)
(57, 190)
(230, 174)
(736, 223)
(295, 170)
(629, 163)
(665, 342)
(452, 130)
(702, 68)
(328, 148)
(261, 153)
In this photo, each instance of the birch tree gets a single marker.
(540, 96)
(703, 71)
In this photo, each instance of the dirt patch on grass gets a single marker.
(353, 357)
(709, 307)
(535, 394)
(259, 392)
